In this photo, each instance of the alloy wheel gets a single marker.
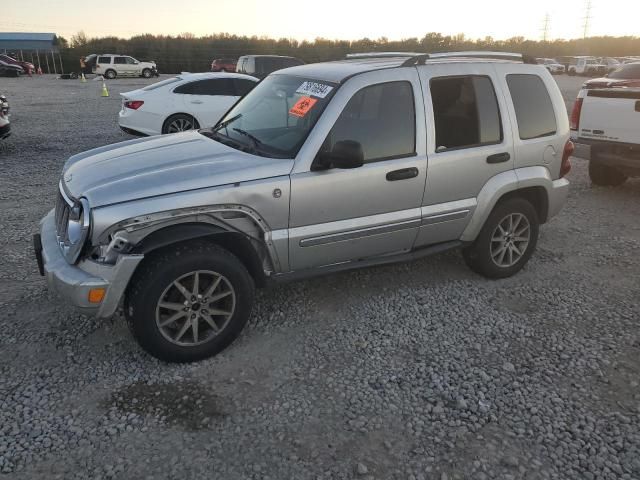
(195, 308)
(180, 125)
(510, 240)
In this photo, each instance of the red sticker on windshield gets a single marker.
(302, 106)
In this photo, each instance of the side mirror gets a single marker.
(345, 154)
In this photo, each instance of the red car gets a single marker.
(626, 76)
(223, 65)
(26, 66)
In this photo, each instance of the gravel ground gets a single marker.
(412, 371)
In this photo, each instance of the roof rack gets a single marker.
(421, 58)
(352, 56)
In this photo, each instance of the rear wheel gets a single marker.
(507, 240)
(110, 74)
(189, 301)
(604, 175)
(179, 123)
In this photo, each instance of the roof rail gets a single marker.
(420, 59)
(351, 56)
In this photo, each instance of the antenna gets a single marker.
(587, 19)
(545, 27)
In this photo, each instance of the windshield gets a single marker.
(275, 118)
(629, 71)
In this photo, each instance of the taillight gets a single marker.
(133, 104)
(565, 166)
(575, 113)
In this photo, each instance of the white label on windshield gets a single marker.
(316, 89)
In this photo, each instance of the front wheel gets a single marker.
(189, 302)
(507, 240)
(146, 73)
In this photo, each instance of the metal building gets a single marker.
(41, 49)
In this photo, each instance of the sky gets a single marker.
(333, 19)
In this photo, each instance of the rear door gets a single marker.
(469, 141)
(209, 99)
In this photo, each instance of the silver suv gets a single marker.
(320, 168)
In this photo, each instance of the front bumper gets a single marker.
(73, 282)
(5, 131)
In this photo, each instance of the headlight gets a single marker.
(74, 228)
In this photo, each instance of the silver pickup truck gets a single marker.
(324, 167)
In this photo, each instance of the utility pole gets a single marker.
(587, 19)
(545, 27)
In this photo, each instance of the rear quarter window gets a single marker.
(532, 103)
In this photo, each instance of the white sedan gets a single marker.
(184, 102)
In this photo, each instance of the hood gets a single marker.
(161, 165)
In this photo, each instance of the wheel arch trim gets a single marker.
(499, 186)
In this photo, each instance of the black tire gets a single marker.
(158, 272)
(605, 176)
(178, 117)
(571, 72)
(110, 74)
(478, 255)
(147, 73)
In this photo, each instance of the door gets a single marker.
(339, 215)
(133, 67)
(121, 67)
(209, 99)
(468, 142)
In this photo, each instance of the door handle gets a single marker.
(402, 174)
(197, 101)
(499, 157)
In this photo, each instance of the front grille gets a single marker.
(63, 208)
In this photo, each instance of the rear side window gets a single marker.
(218, 86)
(465, 111)
(243, 86)
(533, 106)
(120, 60)
(382, 119)
(104, 59)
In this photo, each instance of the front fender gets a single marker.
(500, 185)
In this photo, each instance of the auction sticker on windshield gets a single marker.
(316, 89)
(302, 106)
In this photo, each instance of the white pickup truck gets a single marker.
(608, 120)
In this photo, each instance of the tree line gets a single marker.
(186, 52)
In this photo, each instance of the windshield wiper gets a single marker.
(222, 125)
(256, 141)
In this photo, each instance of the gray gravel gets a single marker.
(413, 371)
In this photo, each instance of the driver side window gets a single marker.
(382, 119)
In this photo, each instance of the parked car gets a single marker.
(262, 65)
(25, 66)
(627, 75)
(10, 69)
(552, 65)
(185, 102)
(587, 67)
(320, 168)
(608, 121)
(626, 60)
(5, 126)
(610, 62)
(112, 66)
(223, 65)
